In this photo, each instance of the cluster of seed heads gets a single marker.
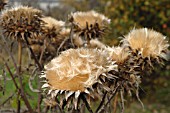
(86, 71)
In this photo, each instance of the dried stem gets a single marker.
(122, 100)
(71, 36)
(18, 104)
(21, 89)
(63, 42)
(12, 76)
(10, 53)
(102, 102)
(19, 55)
(87, 104)
(110, 98)
(32, 53)
(39, 96)
(115, 103)
(42, 52)
(7, 99)
(40, 68)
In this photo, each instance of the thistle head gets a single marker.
(52, 26)
(89, 24)
(148, 48)
(75, 71)
(20, 21)
(147, 42)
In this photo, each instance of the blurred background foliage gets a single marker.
(126, 15)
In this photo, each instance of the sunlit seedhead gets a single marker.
(147, 42)
(75, 71)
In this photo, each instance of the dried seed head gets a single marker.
(52, 26)
(89, 24)
(20, 21)
(3, 3)
(78, 65)
(147, 42)
(118, 54)
(75, 71)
